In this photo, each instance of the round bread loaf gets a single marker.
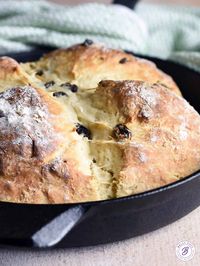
(65, 138)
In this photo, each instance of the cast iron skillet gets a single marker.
(92, 223)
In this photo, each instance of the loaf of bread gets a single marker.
(89, 123)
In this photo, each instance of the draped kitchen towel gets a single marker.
(157, 30)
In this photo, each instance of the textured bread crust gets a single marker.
(134, 135)
(11, 74)
(37, 161)
(86, 66)
(165, 135)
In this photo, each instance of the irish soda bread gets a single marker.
(89, 123)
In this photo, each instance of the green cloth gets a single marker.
(161, 31)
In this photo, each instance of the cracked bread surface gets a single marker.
(87, 65)
(61, 143)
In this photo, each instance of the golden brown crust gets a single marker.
(123, 137)
(11, 72)
(88, 65)
(164, 146)
(8, 66)
(35, 158)
(161, 135)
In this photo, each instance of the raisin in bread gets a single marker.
(86, 65)
(66, 137)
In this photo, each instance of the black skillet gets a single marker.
(92, 223)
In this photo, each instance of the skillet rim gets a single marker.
(173, 185)
(139, 195)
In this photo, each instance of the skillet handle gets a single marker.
(54, 231)
(128, 3)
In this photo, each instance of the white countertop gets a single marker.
(154, 249)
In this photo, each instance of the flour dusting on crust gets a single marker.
(24, 126)
(149, 98)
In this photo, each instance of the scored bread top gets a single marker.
(38, 161)
(60, 142)
(87, 65)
